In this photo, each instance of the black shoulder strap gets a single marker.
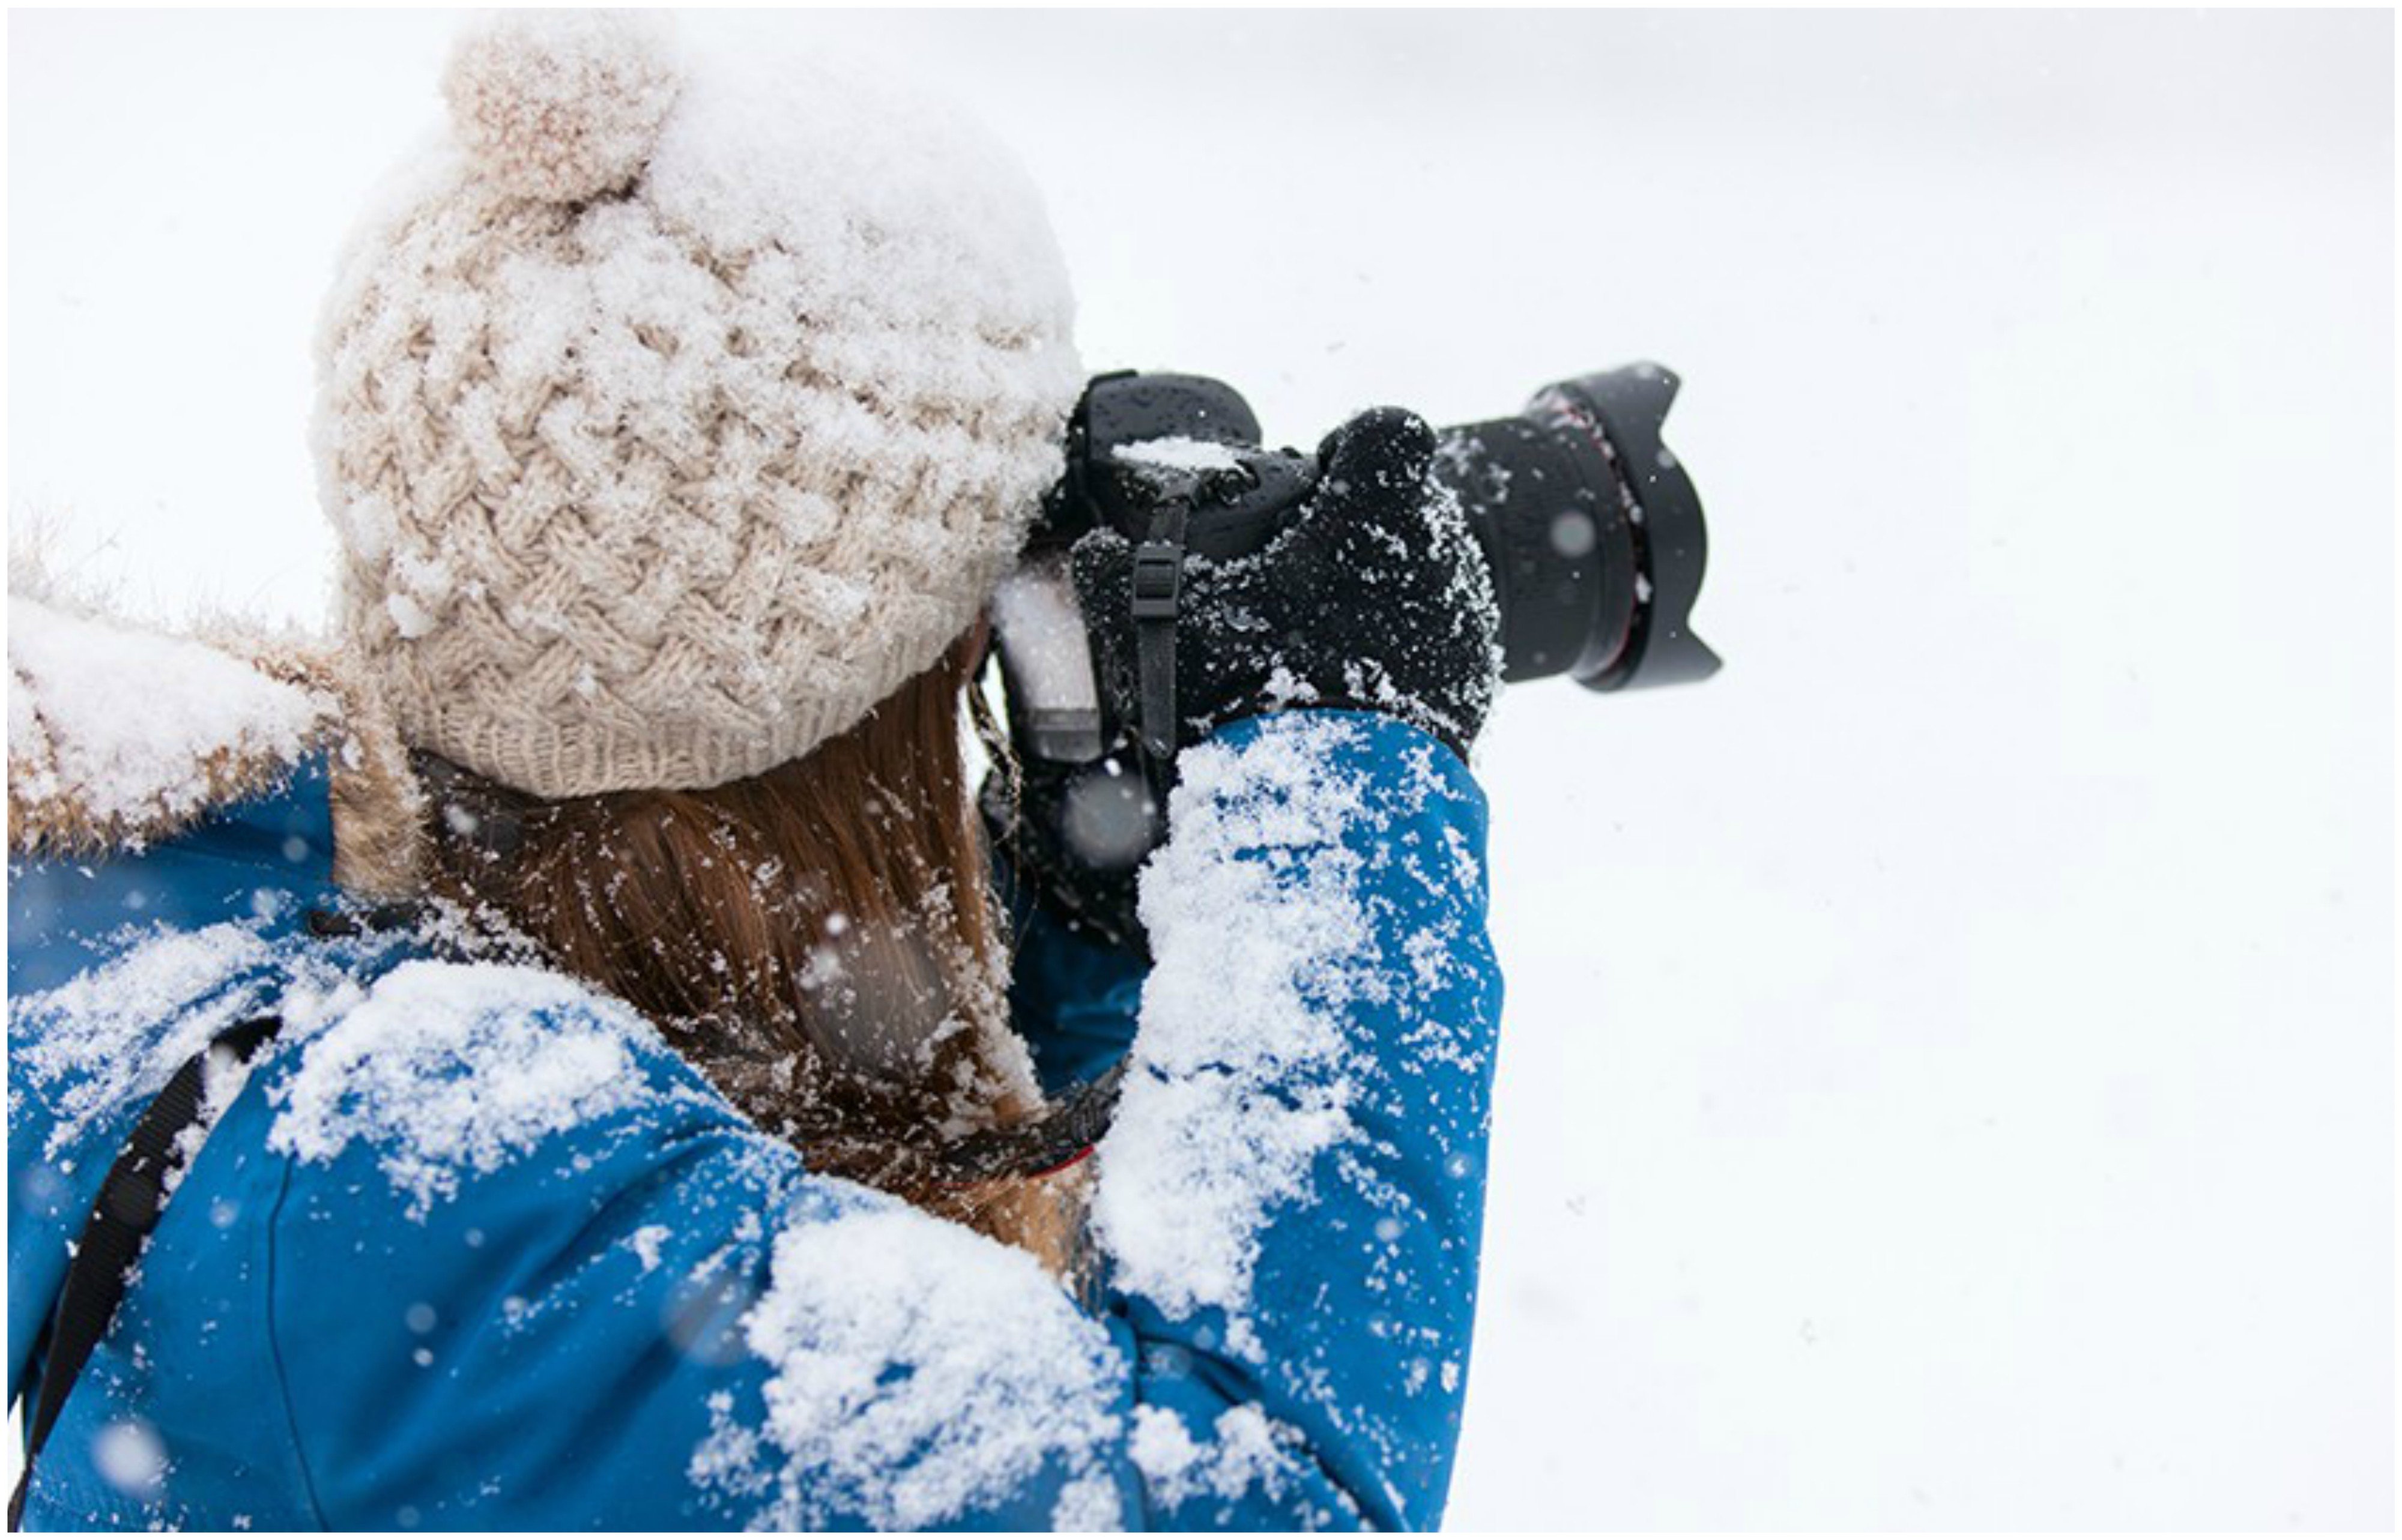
(131, 1198)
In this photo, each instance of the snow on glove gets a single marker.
(1372, 596)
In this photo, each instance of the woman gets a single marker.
(582, 978)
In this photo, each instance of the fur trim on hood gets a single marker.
(120, 734)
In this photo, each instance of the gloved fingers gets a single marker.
(1371, 479)
(1365, 524)
(1380, 455)
(1100, 563)
(1101, 566)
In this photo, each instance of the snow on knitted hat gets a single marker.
(673, 410)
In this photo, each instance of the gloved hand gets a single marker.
(1372, 596)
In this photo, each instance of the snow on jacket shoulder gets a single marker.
(469, 1245)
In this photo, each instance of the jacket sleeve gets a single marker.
(1289, 1204)
(607, 1300)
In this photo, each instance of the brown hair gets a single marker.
(820, 940)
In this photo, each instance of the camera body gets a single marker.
(1138, 444)
(1589, 525)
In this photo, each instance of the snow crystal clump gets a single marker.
(646, 1243)
(1178, 453)
(1240, 1067)
(117, 1033)
(1248, 1449)
(447, 1067)
(1086, 1505)
(920, 1370)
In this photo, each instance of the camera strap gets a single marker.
(132, 1196)
(1157, 584)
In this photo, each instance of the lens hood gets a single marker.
(1623, 410)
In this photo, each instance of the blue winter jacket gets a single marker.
(469, 1245)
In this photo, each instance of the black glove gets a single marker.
(1372, 596)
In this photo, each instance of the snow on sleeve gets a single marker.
(1239, 1072)
(450, 1068)
(117, 734)
(920, 1373)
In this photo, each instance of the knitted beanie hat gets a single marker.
(673, 411)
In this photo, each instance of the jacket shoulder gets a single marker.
(508, 1202)
(445, 1075)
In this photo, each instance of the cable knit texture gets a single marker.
(675, 410)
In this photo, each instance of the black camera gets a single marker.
(1590, 526)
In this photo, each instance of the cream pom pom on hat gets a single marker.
(675, 410)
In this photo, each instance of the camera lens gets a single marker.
(1593, 530)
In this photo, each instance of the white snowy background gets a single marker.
(1948, 1079)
